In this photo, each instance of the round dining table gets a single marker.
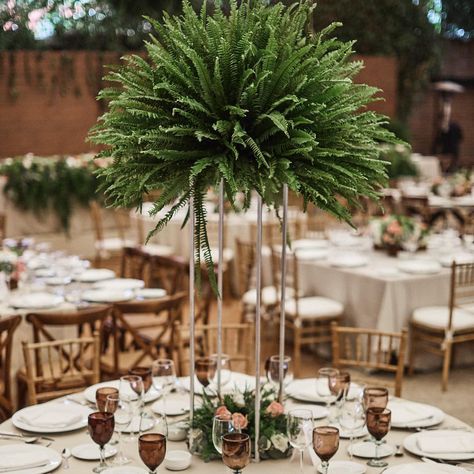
(283, 466)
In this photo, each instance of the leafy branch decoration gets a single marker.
(250, 97)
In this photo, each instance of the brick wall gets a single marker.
(47, 100)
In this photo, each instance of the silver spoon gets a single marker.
(65, 454)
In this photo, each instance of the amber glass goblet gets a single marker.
(375, 397)
(205, 368)
(145, 374)
(325, 444)
(236, 451)
(339, 384)
(378, 425)
(101, 396)
(152, 450)
(101, 428)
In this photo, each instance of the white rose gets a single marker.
(238, 399)
(280, 442)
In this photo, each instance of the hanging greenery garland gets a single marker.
(248, 96)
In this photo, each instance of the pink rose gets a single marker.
(223, 413)
(239, 421)
(394, 228)
(275, 409)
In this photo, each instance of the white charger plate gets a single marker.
(90, 451)
(366, 449)
(419, 267)
(83, 411)
(344, 434)
(120, 284)
(95, 274)
(410, 443)
(124, 470)
(309, 244)
(51, 454)
(136, 425)
(304, 390)
(174, 405)
(40, 300)
(348, 260)
(425, 468)
(434, 417)
(150, 293)
(318, 411)
(344, 467)
(89, 392)
(107, 296)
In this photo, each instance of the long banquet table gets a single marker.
(69, 440)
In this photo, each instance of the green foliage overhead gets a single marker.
(41, 185)
(247, 97)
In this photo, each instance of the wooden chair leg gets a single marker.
(411, 356)
(446, 365)
(297, 351)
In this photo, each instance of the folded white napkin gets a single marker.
(22, 460)
(433, 443)
(429, 468)
(406, 412)
(56, 416)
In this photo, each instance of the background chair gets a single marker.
(437, 329)
(371, 352)
(8, 327)
(58, 368)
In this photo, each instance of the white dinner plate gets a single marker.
(304, 390)
(58, 281)
(124, 470)
(424, 415)
(90, 451)
(318, 411)
(348, 260)
(311, 254)
(366, 449)
(89, 392)
(22, 450)
(344, 434)
(419, 267)
(75, 417)
(107, 296)
(144, 424)
(447, 260)
(120, 284)
(95, 274)
(344, 467)
(238, 382)
(45, 272)
(40, 300)
(309, 244)
(410, 443)
(424, 468)
(174, 405)
(150, 293)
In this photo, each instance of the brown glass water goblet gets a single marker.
(236, 451)
(378, 425)
(145, 374)
(101, 428)
(325, 444)
(205, 368)
(375, 397)
(339, 384)
(101, 396)
(152, 450)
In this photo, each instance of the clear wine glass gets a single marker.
(145, 374)
(299, 430)
(226, 374)
(325, 444)
(322, 387)
(378, 425)
(123, 417)
(351, 419)
(163, 377)
(273, 370)
(131, 391)
(221, 425)
(101, 429)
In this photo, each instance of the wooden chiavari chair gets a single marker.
(150, 339)
(371, 352)
(67, 366)
(135, 263)
(169, 273)
(8, 327)
(237, 341)
(438, 329)
(309, 318)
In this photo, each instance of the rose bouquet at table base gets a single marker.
(240, 407)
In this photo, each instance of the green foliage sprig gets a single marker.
(248, 97)
(57, 184)
(400, 162)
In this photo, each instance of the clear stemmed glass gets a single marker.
(299, 429)
(221, 425)
(322, 387)
(123, 417)
(352, 418)
(152, 450)
(273, 370)
(236, 451)
(163, 377)
(131, 391)
(226, 373)
(145, 374)
(325, 444)
(339, 385)
(101, 429)
(378, 424)
(160, 424)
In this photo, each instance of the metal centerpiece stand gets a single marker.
(258, 268)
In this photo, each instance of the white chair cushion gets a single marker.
(162, 250)
(228, 255)
(314, 307)
(438, 317)
(270, 296)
